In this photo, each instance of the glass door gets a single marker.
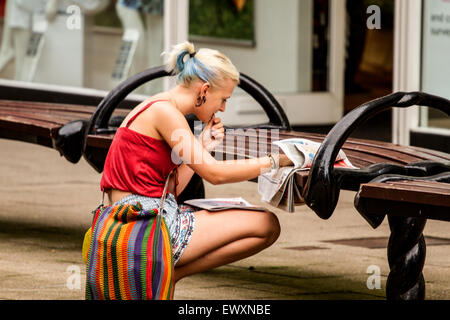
(435, 60)
(422, 47)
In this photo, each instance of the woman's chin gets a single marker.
(204, 120)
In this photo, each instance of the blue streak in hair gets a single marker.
(180, 62)
(192, 69)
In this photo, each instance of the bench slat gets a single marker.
(438, 186)
(358, 159)
(39, 112)
(83, 111)
(73, 111)
(381, 152)
(404, 149)
(47, 106)
(362, 154)
(418, 192)
(31, 127)
(396, 150)
(41, 118)
(57, 113)
(102, 141)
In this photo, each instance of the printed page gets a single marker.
(290, 150)
(278, 187)
(217, 204)
(269, 183)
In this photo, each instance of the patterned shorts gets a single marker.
(179, 219)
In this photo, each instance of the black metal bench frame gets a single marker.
(406, 248)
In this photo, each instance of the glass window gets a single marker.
(281, 44)
(81, 43)
(435, 59)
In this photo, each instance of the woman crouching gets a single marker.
(155, 140)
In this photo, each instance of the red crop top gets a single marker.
(137, 163)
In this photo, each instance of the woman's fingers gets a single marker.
(213, 133)
(217, 123)
(210, 123)
(218, 136)
(217, 127)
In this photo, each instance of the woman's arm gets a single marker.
(184, 145)
(184, 176)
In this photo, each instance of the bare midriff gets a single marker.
(115, 195)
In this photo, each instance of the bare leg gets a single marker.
(226, 236)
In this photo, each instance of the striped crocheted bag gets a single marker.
(129, 255)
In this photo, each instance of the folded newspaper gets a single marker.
(217, 204)
(279, 187)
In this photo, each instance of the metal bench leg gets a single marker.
(406, 256)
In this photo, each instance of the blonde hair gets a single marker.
(208, 65)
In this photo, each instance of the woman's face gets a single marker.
(216, 99)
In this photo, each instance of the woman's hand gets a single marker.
(284, 161)
(212, 135)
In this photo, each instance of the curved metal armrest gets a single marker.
(321, 192)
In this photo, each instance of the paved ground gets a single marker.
(46, 203)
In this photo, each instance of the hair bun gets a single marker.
(209, 65)
(175, 58)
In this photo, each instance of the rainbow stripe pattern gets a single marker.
(129, 256)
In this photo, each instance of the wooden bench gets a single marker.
(40, 123)
(415, 198)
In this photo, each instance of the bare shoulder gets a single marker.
(145, 115)
(156, 121)
(164, 110)
(166, 118)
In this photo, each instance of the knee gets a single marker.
(271, 228)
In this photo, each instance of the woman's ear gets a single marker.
(205, 87)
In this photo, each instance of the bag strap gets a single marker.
(163, 197)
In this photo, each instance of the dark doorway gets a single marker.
(368, 67)
(369, 63)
